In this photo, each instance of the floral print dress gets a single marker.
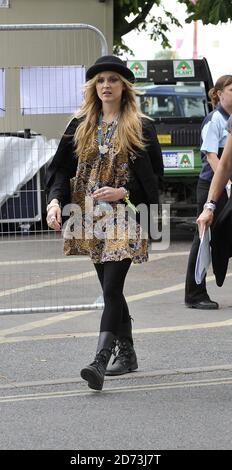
(104, 231)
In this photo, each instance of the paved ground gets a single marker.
(181, 396)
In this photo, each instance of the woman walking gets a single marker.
(111, 154)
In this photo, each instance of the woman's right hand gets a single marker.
(54, 218)
(204, 220)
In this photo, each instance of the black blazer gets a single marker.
(221, 243)
(145, 167)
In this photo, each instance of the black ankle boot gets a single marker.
(125, 360)
(94, 373)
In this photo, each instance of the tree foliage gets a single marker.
(143, 21)
(209, 11)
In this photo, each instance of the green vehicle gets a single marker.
(175, 94)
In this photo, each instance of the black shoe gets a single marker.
(203, 305)
(125, 360)
(94, 373)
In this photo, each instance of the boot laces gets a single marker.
(123, 349)
(101, 360)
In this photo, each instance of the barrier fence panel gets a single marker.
(39, 92)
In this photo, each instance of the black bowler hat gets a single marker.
(107, 63)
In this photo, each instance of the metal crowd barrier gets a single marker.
(34, 274)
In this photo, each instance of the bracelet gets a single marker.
(126, 199)
(55, 204)
(126, 193)
(210, 205)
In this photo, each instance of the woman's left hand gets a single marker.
(108, 194)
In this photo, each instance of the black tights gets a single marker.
(112, 276)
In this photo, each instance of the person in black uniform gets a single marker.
(213, 136)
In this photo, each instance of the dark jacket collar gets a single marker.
(223, 112)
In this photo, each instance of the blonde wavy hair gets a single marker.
(129, 127)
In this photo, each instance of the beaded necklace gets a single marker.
(104, 141)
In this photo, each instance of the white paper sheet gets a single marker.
(203, 256)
